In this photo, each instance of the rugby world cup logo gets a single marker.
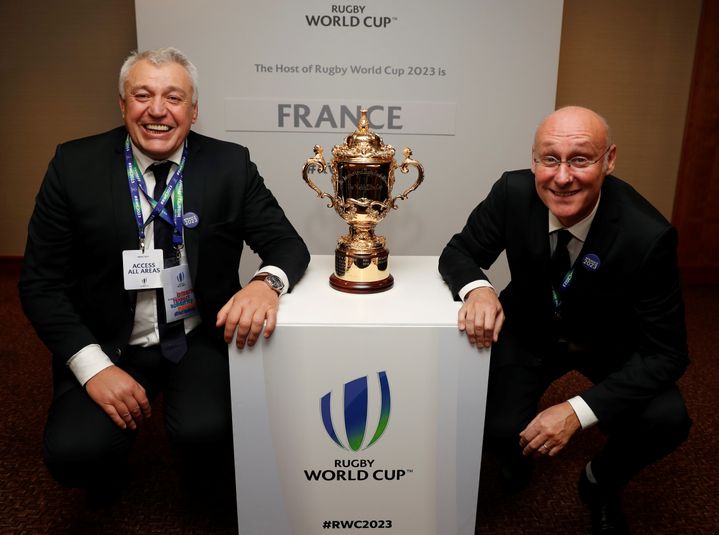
(355, 404)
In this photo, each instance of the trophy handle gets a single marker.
(318, 161)
(404, 167)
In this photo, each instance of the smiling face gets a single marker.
(568, 192)
(157, 107)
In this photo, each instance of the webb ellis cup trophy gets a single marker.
(362, 179)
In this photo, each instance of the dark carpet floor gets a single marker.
(679, 495)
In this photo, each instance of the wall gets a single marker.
(631, 60)
(59, 68)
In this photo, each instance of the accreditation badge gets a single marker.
(179, 297)
(142, 270)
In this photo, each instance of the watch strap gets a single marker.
(264, 276)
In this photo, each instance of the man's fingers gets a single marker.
(222, 314)
(145, 406)
(471, 325)
(271, 322)
(121, 397)
(461, 315)
(136, 413)
(487, 327)
(120, 415)
(245, 314)
(132, 405)
(115, 416)
(243, 329)
(129, 420)
(481, 317)
(536, 446)
(258, 321)
(232, 323)
(498, 325)
(530, 447)
(139, 404)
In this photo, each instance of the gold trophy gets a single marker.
(362, 179)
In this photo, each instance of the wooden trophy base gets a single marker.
(361, 287)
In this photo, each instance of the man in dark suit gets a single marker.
(133, 299)
(594, 288)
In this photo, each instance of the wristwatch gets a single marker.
(273, 281)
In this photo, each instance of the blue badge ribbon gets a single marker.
(137, 184)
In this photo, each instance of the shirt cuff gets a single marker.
(88, 362)
(585, 415)
(462, 293)
(274, 270)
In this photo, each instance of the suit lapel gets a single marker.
(193, 187)
(125, 225)
(601, 238)
(539, 239)
(127, 237)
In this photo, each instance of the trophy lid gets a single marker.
(363, 145)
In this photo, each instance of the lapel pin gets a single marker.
(591, 262)
(190, 219)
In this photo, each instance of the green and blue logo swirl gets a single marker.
(355, 404)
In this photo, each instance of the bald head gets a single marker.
(572, 154)
(574, 121)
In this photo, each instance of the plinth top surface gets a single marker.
(419, 297)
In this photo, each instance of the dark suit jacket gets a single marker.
(72, 285)
(628, 312)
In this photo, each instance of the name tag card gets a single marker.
(142, 270)
(179, 297)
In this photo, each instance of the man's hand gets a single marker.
(550, 431)
(247, 312)
(481, 317)
(120, 396)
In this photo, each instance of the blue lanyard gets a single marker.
(137, 185)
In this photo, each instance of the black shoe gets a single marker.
(605, 507)
(516, 472)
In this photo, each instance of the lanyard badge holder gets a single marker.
(142, 269)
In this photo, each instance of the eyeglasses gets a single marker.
(576, 162)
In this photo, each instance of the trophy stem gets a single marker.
(361, 263)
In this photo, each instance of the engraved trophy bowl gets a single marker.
(362, 180)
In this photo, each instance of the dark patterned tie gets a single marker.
(560, 258)
(173, 344)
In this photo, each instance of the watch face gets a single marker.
(274, 281)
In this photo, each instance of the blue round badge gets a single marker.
(190, 219)
(591, 262)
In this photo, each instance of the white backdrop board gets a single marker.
(463, 83)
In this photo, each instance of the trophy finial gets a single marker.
(363, 124)
(366, 142)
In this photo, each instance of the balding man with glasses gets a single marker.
(594, 288)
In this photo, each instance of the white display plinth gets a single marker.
(362, 413)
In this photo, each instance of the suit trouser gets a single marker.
(84, 448)
(638, 438)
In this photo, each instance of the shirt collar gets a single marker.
(143, 161)
(578, 230)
